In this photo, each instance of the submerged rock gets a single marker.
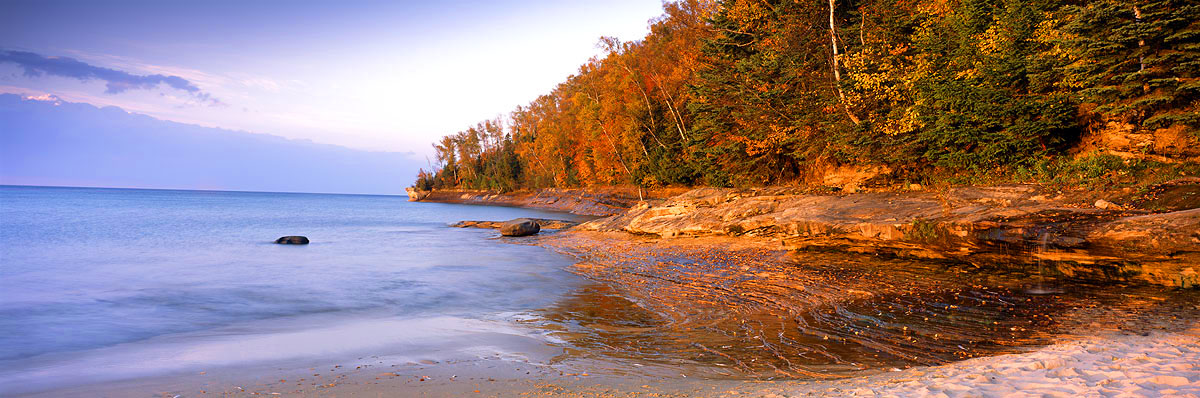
(520, 227)
(292, 240)
(478, 224)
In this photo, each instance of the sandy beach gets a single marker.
(1155, 365)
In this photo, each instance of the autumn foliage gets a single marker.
(743, 92)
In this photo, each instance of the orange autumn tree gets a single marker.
(754, 92)
(622, 119)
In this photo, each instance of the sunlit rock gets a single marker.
(292, 240)
(520, 227)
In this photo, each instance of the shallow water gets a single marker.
(738, 312)
(102, 284)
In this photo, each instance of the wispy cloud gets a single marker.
(116, 81)
(262, 83)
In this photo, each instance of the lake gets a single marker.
(106, 284)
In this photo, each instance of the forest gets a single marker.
(764, 92)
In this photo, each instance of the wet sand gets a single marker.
(1159, 364)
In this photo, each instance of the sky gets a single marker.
(48, 141)
(374, 75)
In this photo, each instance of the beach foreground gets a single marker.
(1157, 364)
(1134, 343)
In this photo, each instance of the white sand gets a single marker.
(1158, 365)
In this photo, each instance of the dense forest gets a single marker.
(756, 92)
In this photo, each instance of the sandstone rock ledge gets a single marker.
(415, 194)
(1017, 225)
(543, 223)
(589, 202)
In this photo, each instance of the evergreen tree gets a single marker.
(1138, 62)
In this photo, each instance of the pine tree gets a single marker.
(1138, 62)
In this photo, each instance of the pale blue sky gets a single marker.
(379, 75)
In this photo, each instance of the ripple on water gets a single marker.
(752, 312)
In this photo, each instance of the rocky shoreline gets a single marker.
(1149, 238)
(586, 202)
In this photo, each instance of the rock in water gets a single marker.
(292, 240)
(520, 227)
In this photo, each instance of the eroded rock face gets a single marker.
(415, 194)
(520, 227)
(1165, 248)
(981, 225)
(292, 240)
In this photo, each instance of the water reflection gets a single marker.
(753, 312)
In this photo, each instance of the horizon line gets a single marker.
(193, 190)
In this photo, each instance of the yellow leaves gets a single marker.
(935, 8)
(1047, 33)
(905, 123)
(746, 12)
(774, 140)
(881, 81)
(991, 41)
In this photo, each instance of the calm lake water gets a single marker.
(103, 284)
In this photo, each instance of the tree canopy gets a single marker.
(741, 92)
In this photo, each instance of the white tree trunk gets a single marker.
(837, 74)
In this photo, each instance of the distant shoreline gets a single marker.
(194, 190)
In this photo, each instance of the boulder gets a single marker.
(1106, 205)
(292, 240)
(520, 227)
